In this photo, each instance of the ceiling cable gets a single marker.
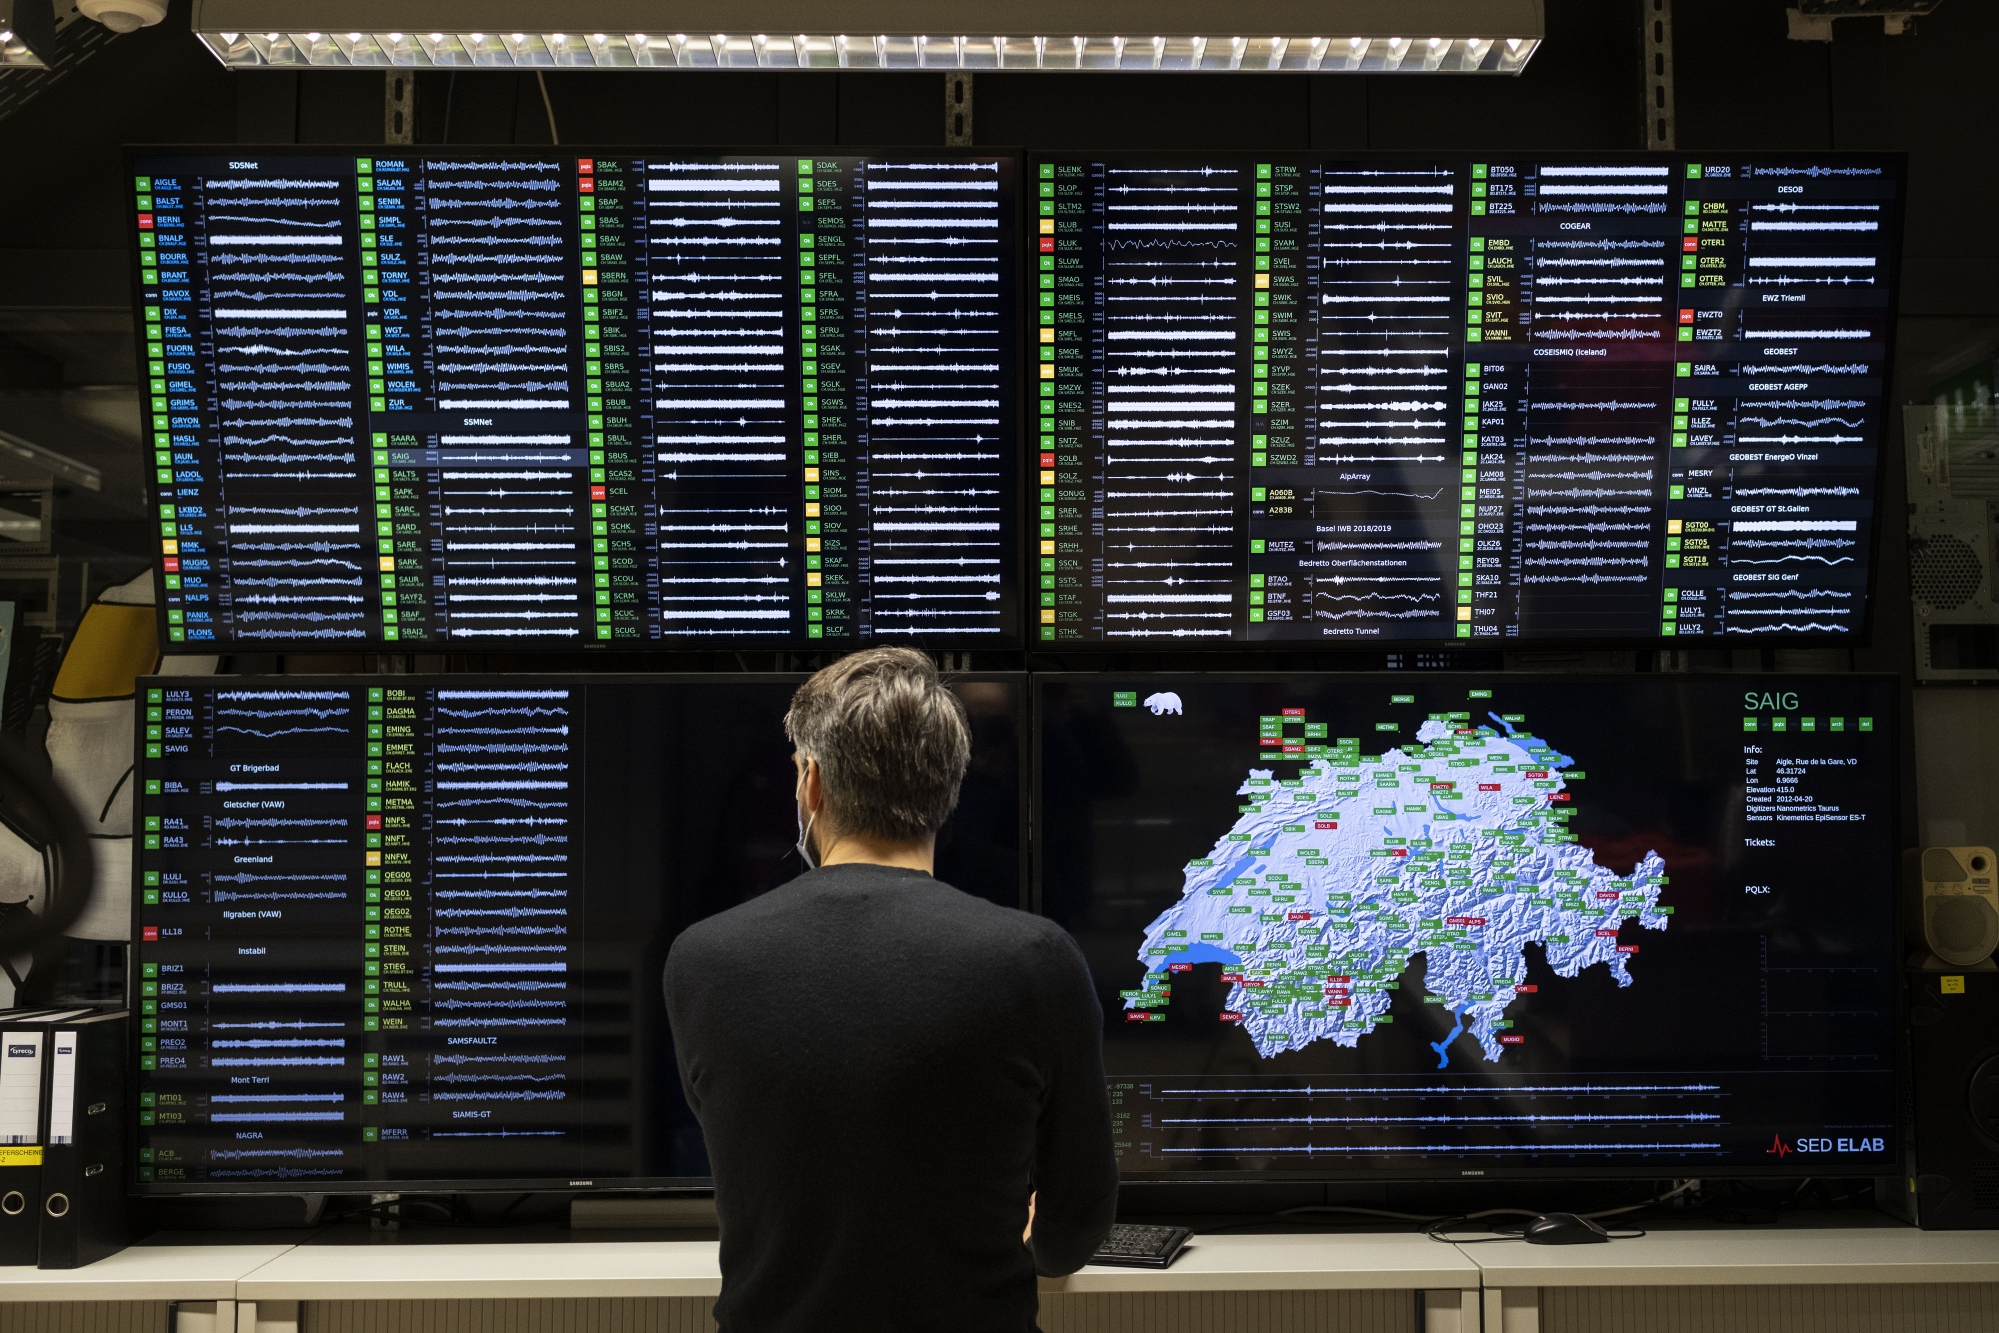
(548, 106)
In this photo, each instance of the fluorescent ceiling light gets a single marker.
(14, 53)
(25, 34)
(1356, 36)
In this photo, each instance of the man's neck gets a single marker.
(845, 849)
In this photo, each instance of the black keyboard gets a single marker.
(1132, 1246)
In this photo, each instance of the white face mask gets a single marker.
(805, 838)
(805, 823)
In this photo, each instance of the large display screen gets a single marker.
(1569, 396)
(1434, 926)
(515, 398)
(408, 931)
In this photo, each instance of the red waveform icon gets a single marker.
(1777, 1147)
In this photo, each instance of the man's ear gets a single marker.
(813, 796)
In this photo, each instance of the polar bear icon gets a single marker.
(1163, 703)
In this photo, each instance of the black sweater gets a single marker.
(884, 1068)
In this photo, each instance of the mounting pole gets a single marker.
(1657, 39)
(958, 109)
(387, 1214)
(398, 106)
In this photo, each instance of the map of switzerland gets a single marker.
(1456, 848)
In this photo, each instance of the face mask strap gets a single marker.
(805, 841)
(805, 823)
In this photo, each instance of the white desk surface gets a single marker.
(1228, 1262)
(395, 1272)
(1754, 1257)
(143, 1273)
(1290, 1263)
(689, 1268)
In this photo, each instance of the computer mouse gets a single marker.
(1564, 1229)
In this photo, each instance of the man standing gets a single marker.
(890, 1074)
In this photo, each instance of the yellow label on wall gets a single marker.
(23, 1155)
(1952, 985)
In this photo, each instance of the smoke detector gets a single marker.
(124, 15)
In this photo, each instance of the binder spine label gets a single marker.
(62, 1090)
(20, 1087)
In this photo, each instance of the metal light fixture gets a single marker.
(1358, 36)
(15, 53)
(26, 34)
(1811, 20)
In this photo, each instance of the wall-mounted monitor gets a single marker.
(1289, 398)
(408, 932)
(521, 398)
(1440, 926)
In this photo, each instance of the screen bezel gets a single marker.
(1784, 1169)
(1896, 164)
(1012, 638)
(1023, 712)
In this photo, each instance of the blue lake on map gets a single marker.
(1196, 953)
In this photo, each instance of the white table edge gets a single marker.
(1458, 1267)
(103, 1280)
(1105, 1280)
(62, 1287)
(1871, 1256)
(1499, 1275)
(448, 1289)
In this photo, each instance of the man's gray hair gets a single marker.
(892, 743)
